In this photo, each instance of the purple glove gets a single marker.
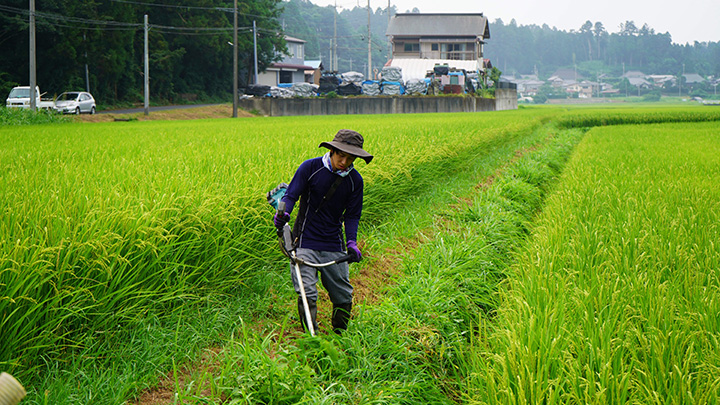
(281, 220)
(353, 251)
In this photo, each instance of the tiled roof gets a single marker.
(453, 25)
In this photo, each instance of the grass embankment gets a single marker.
(616, 299)
(130, 246)
(23, 116)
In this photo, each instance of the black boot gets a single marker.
(341, 317)
(313, 313)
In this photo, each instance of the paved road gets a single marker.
(159, 108)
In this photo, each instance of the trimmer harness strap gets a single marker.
(300, 220)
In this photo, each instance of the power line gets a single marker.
(62, 18)
(57, 20)
(170, 5)
(223, 9)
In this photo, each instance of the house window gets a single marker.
(435, 47)
(412, 47)
(286, 76)
(454, 51)
(295, 50)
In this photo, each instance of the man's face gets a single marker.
(341, 160)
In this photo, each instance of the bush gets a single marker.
(485, 93)
(540, 98)
(652, 96)
(23, 116)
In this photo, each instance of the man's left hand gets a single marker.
(353, 251)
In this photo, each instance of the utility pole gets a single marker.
(235, 61)
(333, 61)
(389, 52)
(33, 79)
(626, 80)
(87, 73)
(369, 46)
(255, 50)
(147, 70)
(681, 79)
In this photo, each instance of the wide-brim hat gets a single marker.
(350, 142)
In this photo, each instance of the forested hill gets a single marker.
(100, 45)
(513, 48)
(527, 49)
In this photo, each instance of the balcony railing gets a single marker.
(454, 55)
(458, 55)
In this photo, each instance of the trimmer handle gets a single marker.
(286, 239)
(284, 233)
(344, 259)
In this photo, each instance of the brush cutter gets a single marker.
(288, 248)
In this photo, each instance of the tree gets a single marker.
(188, 46)
(586, 31)
(494, 76)
(600, 37)
(628, 28)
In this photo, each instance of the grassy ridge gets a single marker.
(616, 298)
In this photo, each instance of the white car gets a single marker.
(75, 102)
(19, 97)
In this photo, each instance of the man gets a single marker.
(330, 192)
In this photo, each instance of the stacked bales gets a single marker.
(371, 87)
(416, 87)
(392, 83)
(305, 89)
(328, 84)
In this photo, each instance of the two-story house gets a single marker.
(419, 41)
(291, 69)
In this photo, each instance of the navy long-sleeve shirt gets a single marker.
(322, 228)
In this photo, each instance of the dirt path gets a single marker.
(215, 111)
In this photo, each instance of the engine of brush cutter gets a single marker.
(275, 195)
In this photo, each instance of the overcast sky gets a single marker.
(686, 20)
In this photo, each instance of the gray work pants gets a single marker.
(335, 278)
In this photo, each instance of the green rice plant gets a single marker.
(616, 298)
(146, 220)
(106, 223)
(592, 117)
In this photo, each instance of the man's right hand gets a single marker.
(281, 219)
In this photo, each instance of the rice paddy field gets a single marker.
(544, 255)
